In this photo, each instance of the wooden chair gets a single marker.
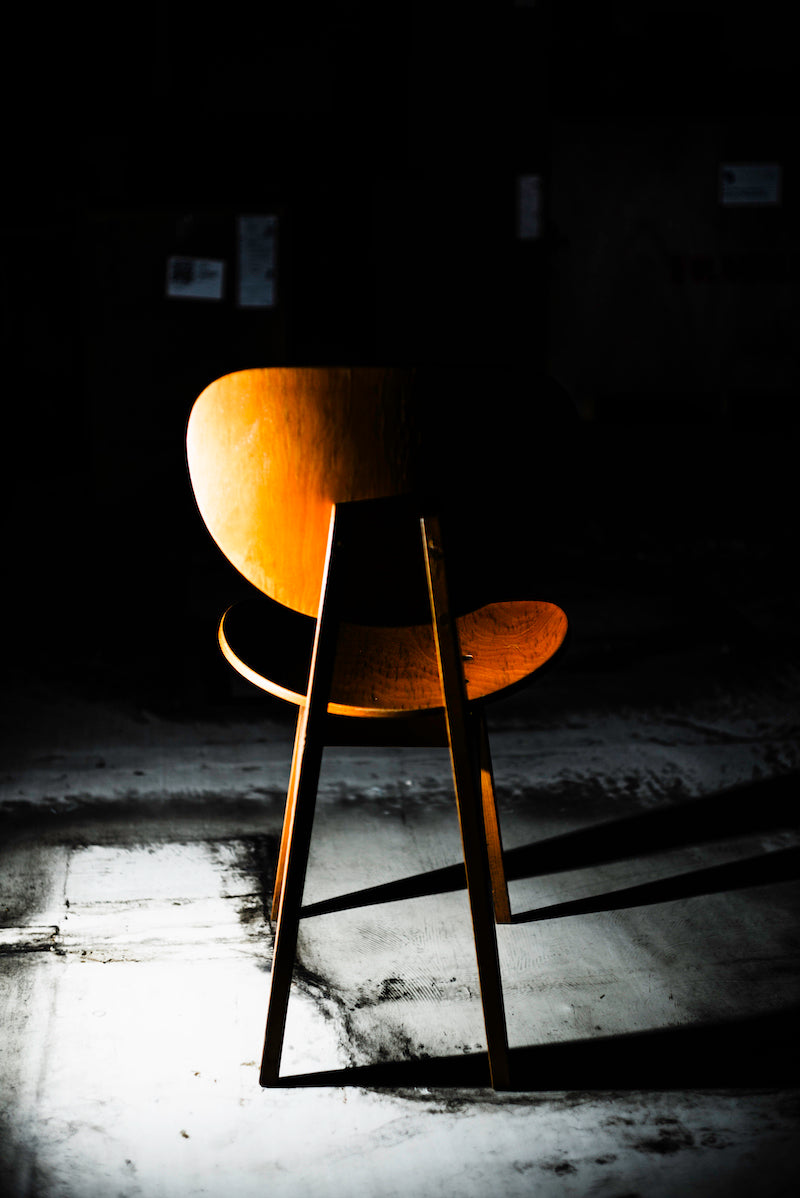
(318, 485)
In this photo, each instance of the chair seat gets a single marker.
(385, 672)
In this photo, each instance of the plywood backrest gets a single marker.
(269, 452)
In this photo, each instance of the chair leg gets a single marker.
(288, 816)
(299, 819)
(464, 760)
(308, 759)
(494, 844)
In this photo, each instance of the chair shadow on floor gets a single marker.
(747, 1053)
(750, 1051)
(739, 811)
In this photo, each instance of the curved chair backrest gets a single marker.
(270, 450)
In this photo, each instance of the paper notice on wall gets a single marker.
(750, 183)
(257, 238)
(195, 278)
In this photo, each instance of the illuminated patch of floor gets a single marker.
(130, 1064)
(147, 1015)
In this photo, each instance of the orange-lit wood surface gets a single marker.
(391, 671)
(271, 450)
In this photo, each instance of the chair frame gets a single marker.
(459, 725)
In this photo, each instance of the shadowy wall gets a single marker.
(388, 145)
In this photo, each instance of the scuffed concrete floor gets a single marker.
(647, 787)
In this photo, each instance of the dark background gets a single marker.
(388, 139)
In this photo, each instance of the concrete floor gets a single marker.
(648, 800)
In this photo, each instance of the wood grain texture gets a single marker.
(382, 672)
(269, 451)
